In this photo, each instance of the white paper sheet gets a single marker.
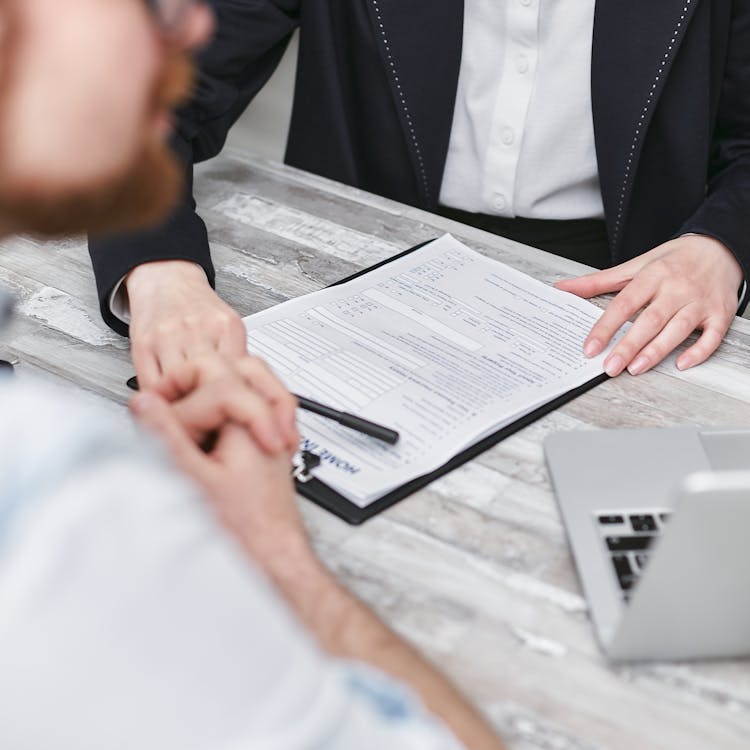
(443, 345)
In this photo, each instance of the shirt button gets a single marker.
(507, 136)
(499, 202)
(522, 63)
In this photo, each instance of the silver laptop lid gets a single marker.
(727, 449)
(606, 470)
(693, 600)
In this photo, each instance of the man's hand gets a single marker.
(249, 488)
(252, 494)
(183, 336)
(210, 392)
(685, 284)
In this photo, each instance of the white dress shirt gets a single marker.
(522, 142)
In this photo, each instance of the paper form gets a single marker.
(444, 345)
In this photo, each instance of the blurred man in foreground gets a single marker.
(129, 617)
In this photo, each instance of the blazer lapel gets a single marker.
(635, 43)
(420, 43)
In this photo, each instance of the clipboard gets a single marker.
(326, 497)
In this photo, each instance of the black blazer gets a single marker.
(374, 98)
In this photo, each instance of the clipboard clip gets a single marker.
(307, 463)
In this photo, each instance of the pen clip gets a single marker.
(303, 472)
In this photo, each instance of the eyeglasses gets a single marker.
(169, 13)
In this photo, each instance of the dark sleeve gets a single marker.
(250, 39)
(725, 211)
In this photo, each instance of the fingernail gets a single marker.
(141, 402)
(592, 347)
(614, 365)
(637, 367)
(684, 364)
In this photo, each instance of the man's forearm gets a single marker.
(345, 627)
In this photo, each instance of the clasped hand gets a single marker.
(226, 419)
(184, 336)
(246, 482)
(687, 284)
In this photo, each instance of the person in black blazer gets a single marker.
(374, 106)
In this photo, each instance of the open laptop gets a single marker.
(659, 524)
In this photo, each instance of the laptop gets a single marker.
(659, 524)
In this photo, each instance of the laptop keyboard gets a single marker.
(629, 536)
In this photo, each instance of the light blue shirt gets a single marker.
(130, 619)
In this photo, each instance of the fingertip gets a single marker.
(265, 427)
(146, 380)
(291, 448)
(166, 388)
(294, 441)
(639, 365)
(614, 365)
(268, 437)
(689, 359)
(708, 342)
(592, 347)
(573, 286)
(292, 433)
(233, 346)
(582, 286)
(292, 421)
(274, 443)
(143, 402)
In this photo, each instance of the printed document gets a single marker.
(444, 345)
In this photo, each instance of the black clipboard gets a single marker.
(321, 494)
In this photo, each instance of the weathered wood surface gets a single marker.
(475, 569)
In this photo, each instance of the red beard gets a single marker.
(135, 199)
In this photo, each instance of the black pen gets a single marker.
(343, 418)
(349, 420)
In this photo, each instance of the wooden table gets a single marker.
(475, 569)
